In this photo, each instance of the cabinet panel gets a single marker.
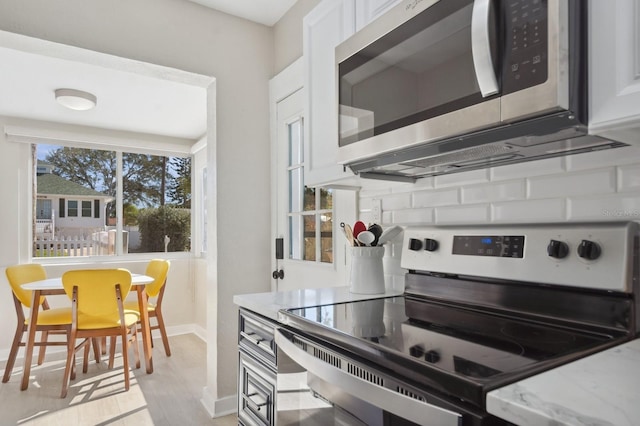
(326, 26)
(256, 392)
(615, 68)
(256, 336)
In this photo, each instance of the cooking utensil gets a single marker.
(349, 233)
(376, 230)
(389, 234)
(358, 227)
(366, 238)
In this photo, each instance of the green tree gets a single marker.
(171, 221)
(180, 182)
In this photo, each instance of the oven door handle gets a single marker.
(393, 402)
(481, 48)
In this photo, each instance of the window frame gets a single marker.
(119, 150)
(70, 209)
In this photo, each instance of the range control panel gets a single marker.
(597, 256)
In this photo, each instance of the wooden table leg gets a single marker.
(146, 332)
(28, 355)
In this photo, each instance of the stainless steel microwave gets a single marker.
(440, 86)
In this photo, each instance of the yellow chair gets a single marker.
(97, 306)
(157, 269)
(54, 321)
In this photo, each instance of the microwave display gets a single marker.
(425, 68)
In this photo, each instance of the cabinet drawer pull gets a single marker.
(258, 405)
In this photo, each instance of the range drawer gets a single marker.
(256, 335)
(257, 390)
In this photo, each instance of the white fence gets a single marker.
(95, 244)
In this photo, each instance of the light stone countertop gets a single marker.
(602, 389)
(268, 304)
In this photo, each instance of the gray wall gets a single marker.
(287, 34)
(239, 54)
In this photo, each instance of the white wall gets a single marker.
(239, 54)
(595, 187)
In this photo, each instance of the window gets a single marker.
(110, 202)
(72, 208)
(86, 208)
(310, 213)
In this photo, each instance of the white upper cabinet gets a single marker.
(614, 79)
(368, 10)
(326, 26)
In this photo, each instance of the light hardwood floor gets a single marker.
(170, 396)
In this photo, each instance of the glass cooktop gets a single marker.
(459, 341)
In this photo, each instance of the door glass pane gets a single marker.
(422, 69)
(326, 199)
(309, 199)
(309, 237)
(295, 143)
(295, 190)
(326, 237)
(43, 209)
(296, 236)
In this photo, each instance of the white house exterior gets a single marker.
(65, 208)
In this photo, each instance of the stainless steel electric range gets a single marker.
(483, 307)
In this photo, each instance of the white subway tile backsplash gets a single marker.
(436, 198)
(462, 214)
(599, 159)
(387, 217)
(528, 211)
(622, 206)
(512, 190)
(629, 178)
(412, 216)
(465, 178)
(396, 201)
(531, 168)
(424, 183)
(364, 203)
(600, 181)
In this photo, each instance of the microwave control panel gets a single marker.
(525, 44)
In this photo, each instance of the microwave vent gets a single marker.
(484, 153)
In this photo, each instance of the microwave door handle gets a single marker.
(481, 48)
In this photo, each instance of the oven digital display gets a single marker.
(489, 245)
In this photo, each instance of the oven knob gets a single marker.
(589, 250)
(430, 245)
(432, 356)
(557, 249)
(415, 244)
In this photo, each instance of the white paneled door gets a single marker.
(304, 215)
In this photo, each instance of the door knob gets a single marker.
(278, 274)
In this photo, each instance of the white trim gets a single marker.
(84, 137)
(219, 407)
(71, 53)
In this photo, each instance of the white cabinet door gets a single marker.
(326, 26)
(368, 10)
(614, 79)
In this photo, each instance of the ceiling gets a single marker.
(132, 96)
(266, 12)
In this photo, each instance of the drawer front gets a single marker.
(256, 336)
(257, 392)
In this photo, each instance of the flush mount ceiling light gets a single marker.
(75, 99)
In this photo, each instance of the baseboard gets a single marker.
(219, 407)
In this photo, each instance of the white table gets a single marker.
(53, 286)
